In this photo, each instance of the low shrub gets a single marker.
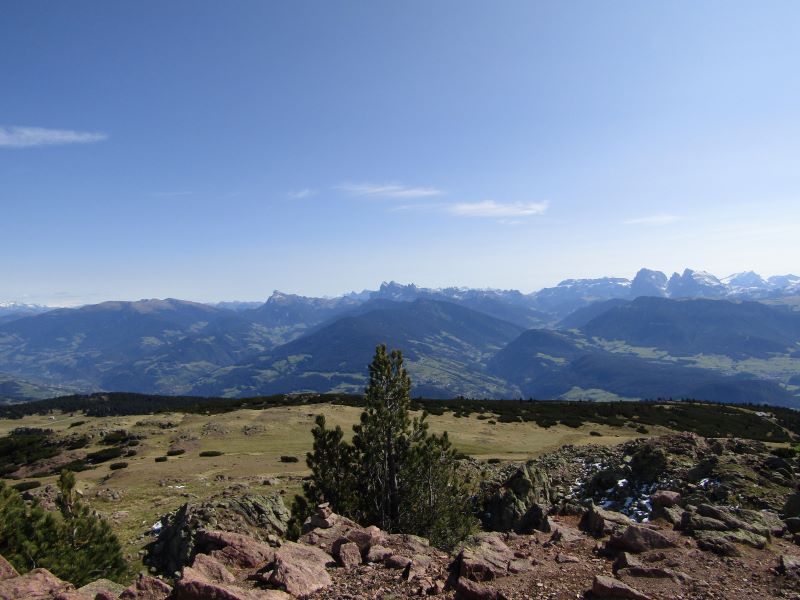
(104, 455)
(595, 433)
(161, 459)
(26, 485)
(118, 465)
(211, 453)
(289, 459)
(176, 452)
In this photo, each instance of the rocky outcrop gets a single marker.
(300, 570)
(193, 585)
(521, 503)
(146, 588)
(489, 558)
(38, 584)
(233, 548)
(263, 518)
(599, 522)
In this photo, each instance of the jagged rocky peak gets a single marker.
(649, 283)
(397, 291)
(695, 284)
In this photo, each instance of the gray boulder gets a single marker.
(521, 503)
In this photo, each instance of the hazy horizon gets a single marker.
(65, 302)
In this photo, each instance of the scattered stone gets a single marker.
(665, 499)
(487, 560)
(626, 560)
(378, 553)
(608, 587)
(637, 539)
(599, 522)
(467, 589)
(396, 561)
(349, 555)
(789, 565)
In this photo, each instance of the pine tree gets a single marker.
(332, 469)
(76, 545)
(395, 474)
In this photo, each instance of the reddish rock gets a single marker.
(7, 571)
(599, 522)
(34, 585)
(608, 587)
(397, 561)
(639, 539)
(300, 569)
(665, 499)
(626, 560)
(235, 549)
(336, 528)
(193, 585)
(348, 555)
(147, 588)
(366, 538)
(488, 560)
(564, 536)
(467, 589)
(212, 569)
(74, 595)
(788, 565)
(378, 553)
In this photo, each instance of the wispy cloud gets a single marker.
(388, 190)
(654, 220)
(497, 210)
(300, 194)
(28, 137)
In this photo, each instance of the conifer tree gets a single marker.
(76, 545)
(395, 474)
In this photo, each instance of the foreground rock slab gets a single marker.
(608, 587)
(38, 584)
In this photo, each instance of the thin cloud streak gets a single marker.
(494, 210)
(388, 190)
(300, 194)
(29, 137)
(655, 220)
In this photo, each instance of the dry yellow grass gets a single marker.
(253, 442)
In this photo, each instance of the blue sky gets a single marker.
(210, 150)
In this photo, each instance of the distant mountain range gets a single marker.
(689, 335)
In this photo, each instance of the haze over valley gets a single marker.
(691, 335)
